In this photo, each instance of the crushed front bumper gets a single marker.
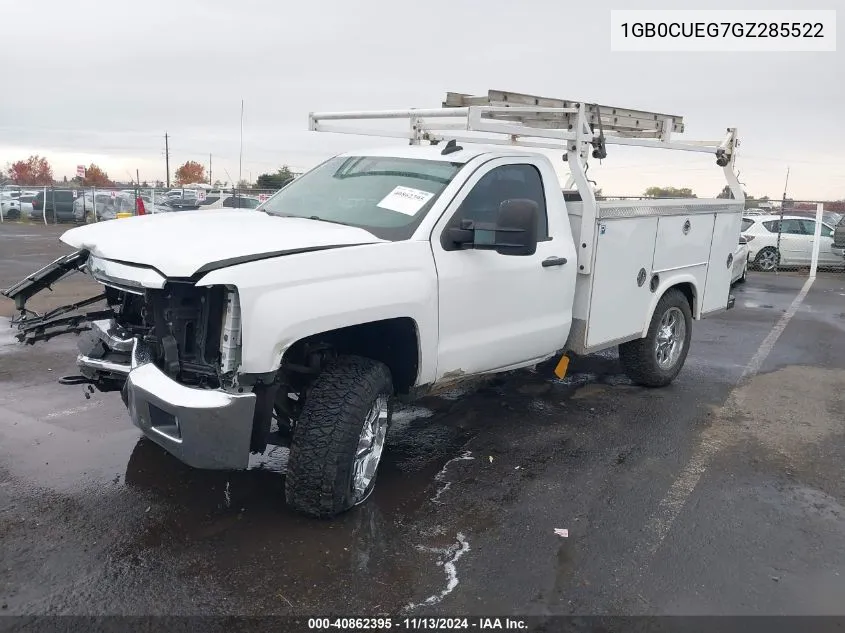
(204, 428)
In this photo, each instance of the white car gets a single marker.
(740, 262)
(17, 205)
(796, 242)
(228, 201)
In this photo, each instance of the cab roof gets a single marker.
(434, 152)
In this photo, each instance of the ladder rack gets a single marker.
(581, 130)
(622, 121)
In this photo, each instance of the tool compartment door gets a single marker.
(618, 306)
(725, 238)
(683, 241)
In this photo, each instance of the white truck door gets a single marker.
(503, 311)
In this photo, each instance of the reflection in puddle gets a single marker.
(274, 459)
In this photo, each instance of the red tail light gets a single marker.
(141, 210)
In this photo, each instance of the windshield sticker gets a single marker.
(405, 200)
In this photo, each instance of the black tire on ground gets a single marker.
(325, 439)
(639, 357)
(767, 259)
(744, 276)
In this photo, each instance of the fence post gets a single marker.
(814, 262)
(94, 198)
(44, 208)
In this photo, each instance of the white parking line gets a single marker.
(679, 492)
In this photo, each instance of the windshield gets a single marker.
(386, 196)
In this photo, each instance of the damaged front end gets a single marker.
(170, 346)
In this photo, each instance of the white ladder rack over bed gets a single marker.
(580, 129)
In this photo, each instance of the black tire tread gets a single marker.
(326, 434)
(637, 356)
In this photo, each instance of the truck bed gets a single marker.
(641, 247)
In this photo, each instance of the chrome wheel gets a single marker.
(671, 336)
(370, 447)
(767, 259)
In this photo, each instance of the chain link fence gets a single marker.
(799, 237)
(82, 205)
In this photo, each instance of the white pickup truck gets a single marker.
(387, 273)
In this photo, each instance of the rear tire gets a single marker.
(744, 276)
(767, 259)
(655, 361)
(330, 470)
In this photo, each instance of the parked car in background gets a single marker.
(20, 207)
(740, 263)
(229, 201)
(58, 205)
(797, 234)
(106, 205)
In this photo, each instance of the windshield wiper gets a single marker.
(310, 217)
(319, 219)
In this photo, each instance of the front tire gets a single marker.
(339, 438)
(655, 361)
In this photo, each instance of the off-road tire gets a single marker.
(638, 357)
(325, 437)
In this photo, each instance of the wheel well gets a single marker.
(394, 342)
(689, 292)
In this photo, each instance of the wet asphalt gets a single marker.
(706, 497)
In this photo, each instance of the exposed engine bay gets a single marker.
(181, 324)
(191, 333)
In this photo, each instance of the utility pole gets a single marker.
(780, 222)
(167, 158)
(241, 158)
(137, 178)
(210, 181)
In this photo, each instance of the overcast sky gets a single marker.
(90, 80)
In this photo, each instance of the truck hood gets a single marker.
(183, 244)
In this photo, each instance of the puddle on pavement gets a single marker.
(236, 525)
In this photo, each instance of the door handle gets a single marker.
(554, 261)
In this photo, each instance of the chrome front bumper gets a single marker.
(204, 428)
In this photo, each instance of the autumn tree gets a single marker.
(96, 177)
(276, 180)
(35, 170)
(669, 192)
(189, 173)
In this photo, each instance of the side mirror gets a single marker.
(514, 233)
(516, 227)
